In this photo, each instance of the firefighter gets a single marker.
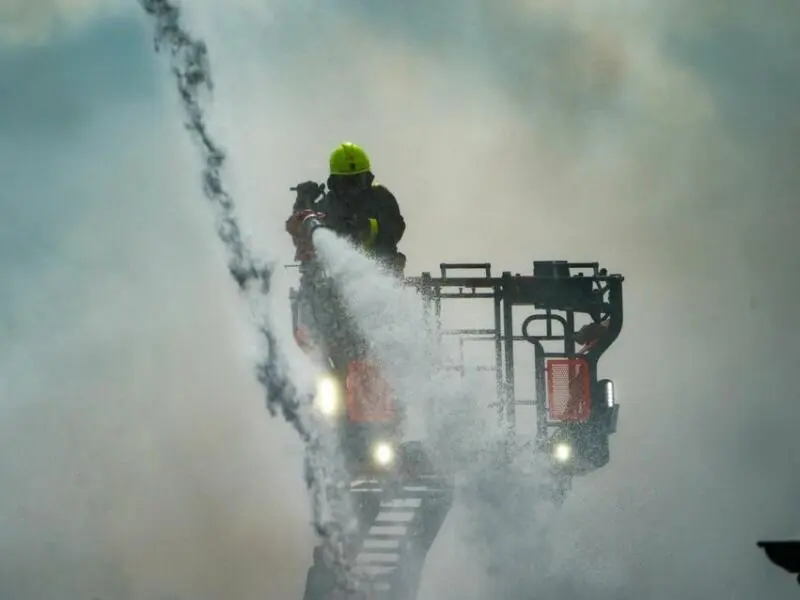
(355, 206)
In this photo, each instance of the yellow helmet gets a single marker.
(348, 159)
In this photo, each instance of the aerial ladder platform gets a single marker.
(573, 314)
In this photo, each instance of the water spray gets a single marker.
(191, 70)
(403, 337)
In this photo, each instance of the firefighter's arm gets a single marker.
(390, 226)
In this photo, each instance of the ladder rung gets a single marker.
(468, 331)
(526, 402)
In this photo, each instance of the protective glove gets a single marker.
(307, 192)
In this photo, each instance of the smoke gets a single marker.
(676, 178)
(657, 139)
(128, 569)
(332, 516)
(138, 460)
(35, 22)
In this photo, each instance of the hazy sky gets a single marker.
(659, 138)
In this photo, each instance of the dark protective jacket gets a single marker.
(371, 217)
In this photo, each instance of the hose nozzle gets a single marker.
(310, 225)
